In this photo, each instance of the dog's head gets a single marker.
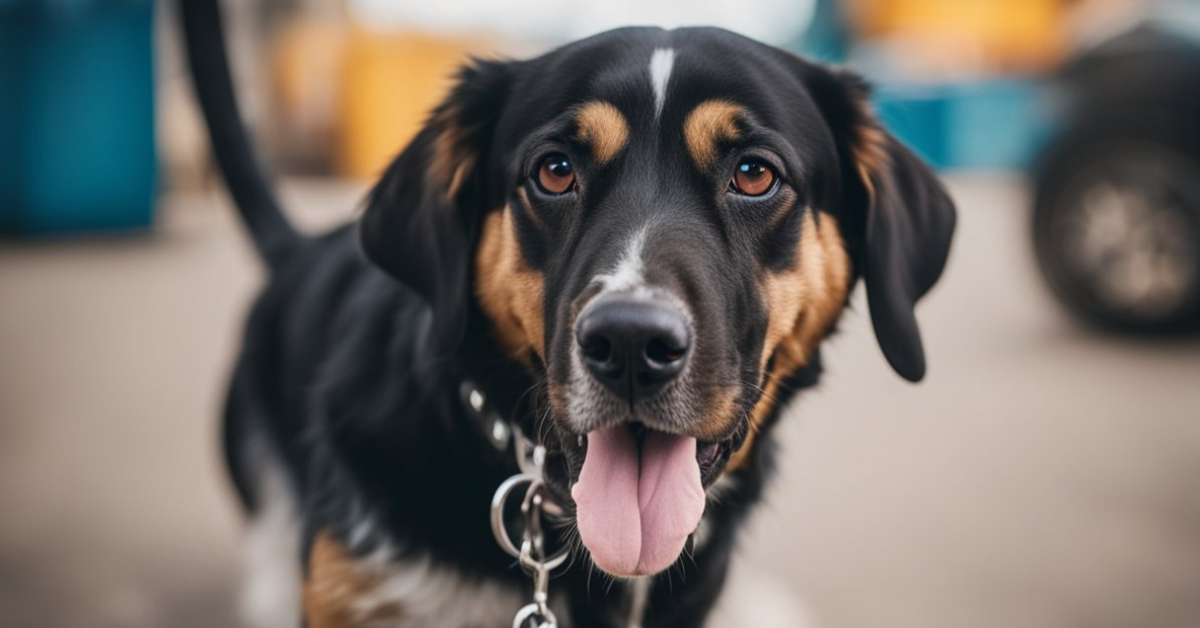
(661, 226)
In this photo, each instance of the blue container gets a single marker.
(996, 124)
(76, 115)
(918, 115)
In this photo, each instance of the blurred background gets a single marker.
(1046, 474)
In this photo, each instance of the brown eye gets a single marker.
(752, 178)
(556, 175)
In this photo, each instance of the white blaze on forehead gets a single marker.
(661, 63)
(627, 274)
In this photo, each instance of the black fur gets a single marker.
(350, 377)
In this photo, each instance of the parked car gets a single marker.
(1116, 223)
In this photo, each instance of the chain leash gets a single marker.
(531, 554)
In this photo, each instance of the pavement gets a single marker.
(1043, 475)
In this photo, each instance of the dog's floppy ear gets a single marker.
(898, 214)
(424, 215)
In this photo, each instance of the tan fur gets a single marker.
(452, 156)
(558, 398)
(710, 123)
(604, 127)
(816, 289)
(869, 152)
(336, 587)
(509, 291)
(802, 304)
(721, 411)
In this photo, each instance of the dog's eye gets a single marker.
(752, 177)
(556, 175)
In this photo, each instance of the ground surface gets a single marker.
(1043, 476)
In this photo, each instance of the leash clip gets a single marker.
(532, 553)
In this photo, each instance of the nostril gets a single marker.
(660, 352)
(598, 349)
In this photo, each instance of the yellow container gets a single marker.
(1002, 35)
(390, 82)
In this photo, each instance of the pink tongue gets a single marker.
(636, 512)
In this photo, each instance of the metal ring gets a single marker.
(550, 564)
(498, 501)
(501, 533)
(530, 611)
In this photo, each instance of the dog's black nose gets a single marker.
(633, 346)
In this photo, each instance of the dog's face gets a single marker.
(660, 226)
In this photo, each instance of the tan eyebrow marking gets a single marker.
(603, 126)
(710, 123)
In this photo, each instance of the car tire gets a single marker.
(1116, 231)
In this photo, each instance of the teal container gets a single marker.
(987, 124)
(77, 149)
(918, 115)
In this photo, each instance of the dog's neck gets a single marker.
(428, 481)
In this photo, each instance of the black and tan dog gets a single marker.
(633, 246)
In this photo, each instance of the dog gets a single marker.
(631, 247)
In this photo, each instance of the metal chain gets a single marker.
(532, 552)
(537, 614)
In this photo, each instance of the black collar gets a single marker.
(487, 419)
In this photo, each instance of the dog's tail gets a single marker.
(253, 194)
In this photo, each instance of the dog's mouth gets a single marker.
(638, 494)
